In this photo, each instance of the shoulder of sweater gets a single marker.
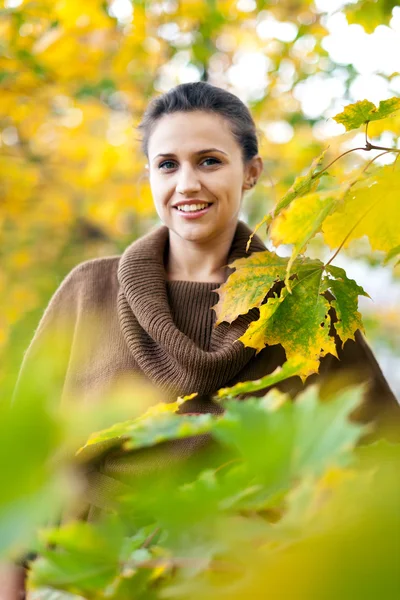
(105, 265)
(89, 284)
(91, 278)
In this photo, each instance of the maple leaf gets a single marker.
(370, 13)
(266, 219)
(392, 254)
(248, 285)
(302, 219)
(372, 209)
(298, 321)
(158, 424)
(364, 111)
(288, 369)
(346, 292)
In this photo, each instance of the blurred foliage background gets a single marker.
(76, 77)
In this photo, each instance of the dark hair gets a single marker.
(200, 95)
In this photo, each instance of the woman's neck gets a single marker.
(206, 261)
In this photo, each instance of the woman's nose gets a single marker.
(188, 181)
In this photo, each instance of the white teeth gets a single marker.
(191, 207)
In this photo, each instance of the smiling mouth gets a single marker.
(192, 207)
(192, 213)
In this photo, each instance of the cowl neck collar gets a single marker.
(168, 357)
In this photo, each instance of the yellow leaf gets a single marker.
(372, 209)
(302, 219)
(247, 287)
(364, 111)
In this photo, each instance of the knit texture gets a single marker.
(163, 331)
(186, 297)
(198, 360)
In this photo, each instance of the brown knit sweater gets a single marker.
(164, 330)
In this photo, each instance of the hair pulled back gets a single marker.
(200, 95)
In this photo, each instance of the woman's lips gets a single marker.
(193, 214)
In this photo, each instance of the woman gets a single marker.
(154, 301)
(151, 305)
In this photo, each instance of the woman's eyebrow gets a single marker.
(198, 152)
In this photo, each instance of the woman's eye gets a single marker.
(167, 162)
(214, 159)
(170, 162)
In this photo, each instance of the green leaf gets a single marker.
(364, 111)
(392, 254)
(299, 321)
(85, 558)
(324, 434)
(346, 292)
(145, 432)
(288, 369)
(302, 185)
(370, 13)
(299, 438)
(46, 593)
(30, 435)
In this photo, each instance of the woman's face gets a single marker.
(194, 157)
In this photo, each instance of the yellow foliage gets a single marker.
(73, 15)
(372, 209)
(74, 83)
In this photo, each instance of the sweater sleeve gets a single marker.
(45, 361)
(356, 363)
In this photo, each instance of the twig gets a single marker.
(150, 537)
(378, 156)
(337, 158)
(350, 232)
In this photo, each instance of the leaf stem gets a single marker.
(337, 158)
(368, 146)
(377, 156)
(350, 232)
(150, 537)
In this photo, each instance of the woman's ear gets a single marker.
(253, 171)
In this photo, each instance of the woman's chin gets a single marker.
(194, 231)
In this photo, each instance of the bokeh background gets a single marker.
(75, 78)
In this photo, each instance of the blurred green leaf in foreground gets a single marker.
(287, 489)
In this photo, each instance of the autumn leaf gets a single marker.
(302, 185)
(300, 438)
(266, 220)
(147, 430)
(85, 557)
(392, 254)
(372, 209)
(302, 219)
(370, 13)
(346, 292)
(364, 111)
(298, 321)
(288, 369)
(248, 285)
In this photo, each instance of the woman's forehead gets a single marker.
(191, 131)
